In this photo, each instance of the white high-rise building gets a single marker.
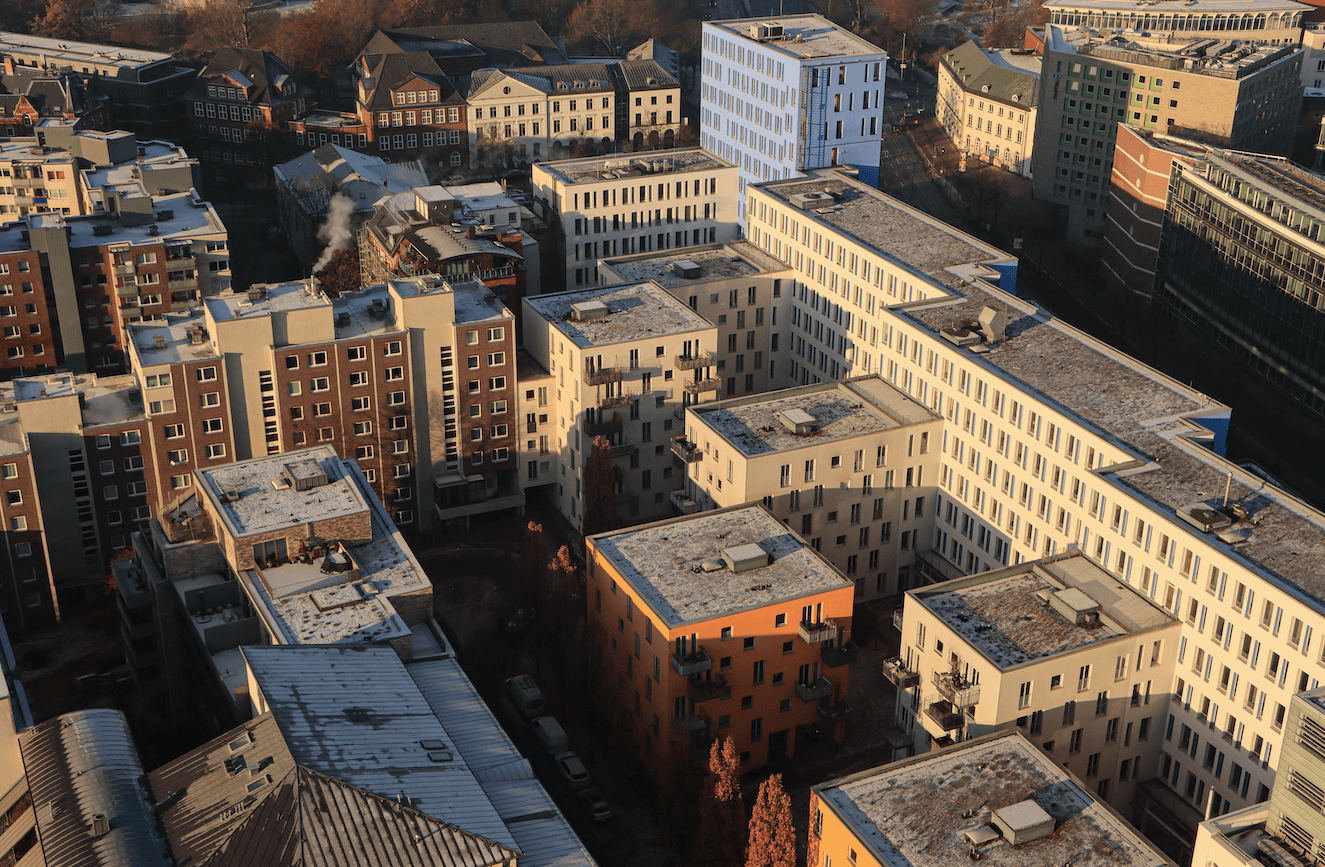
(784, 94)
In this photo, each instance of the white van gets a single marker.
(525, 696)
(550, 734)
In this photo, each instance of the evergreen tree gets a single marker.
(772, 834)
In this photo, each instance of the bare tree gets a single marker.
(611, 27)
(88, 20)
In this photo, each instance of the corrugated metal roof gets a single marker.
(82, 764)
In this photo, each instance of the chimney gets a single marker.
(100, 826)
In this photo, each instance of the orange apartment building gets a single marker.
(720, 624)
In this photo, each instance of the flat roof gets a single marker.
(807, 37)
(656, 166)
(1005, 614)
(715, 261)
(1179, 8)
(985, 774)
(260, 507)
(636, 311)
(1233, 60)
(106, 399)
(152, 156)
(475, 302)
(176, 344)
(190, 218)
(70, 51)
(842, 410)
(267, 298)
(660, 561)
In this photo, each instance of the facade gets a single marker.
(51, 96)
(527, 115)
(619, 206)
(1144, 500)
(242, 102)
(462, 49)
(986, 103)
(694, 655)
(782, 95)
(996, 799)
(1277, 22)
(849, 465)
(144, 89)
(27, 594)
(1288, 828)
(1240, 262)
(736, 286)
(627, 359)
(1245, 96)
(409, 109)
(1059, 648)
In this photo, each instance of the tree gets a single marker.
(222, 24)
(679, 795)
(772, 834)
(534, 565)
(87, 20)
(612, 27)
(341, 274)
(721, 838)
(600, 512)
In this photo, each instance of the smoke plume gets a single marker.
(335, 230)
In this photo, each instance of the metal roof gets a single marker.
(81, 765)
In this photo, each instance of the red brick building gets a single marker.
(242, 104)
(409, 109)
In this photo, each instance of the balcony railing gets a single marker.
(702, 688)
(694, 362)
(686, 451)
(613, 400)
(957, 689)
(602, 428)
(817, 633)
(180, 262)
(601, 375)
(621, 450)
(183, 283)
(834, 713)
(123, 270)
(698, 721)
(902, 677)
(694, 663)
(817, 691)
(130, 289)
(701, 386)
(683, 504)
(834, 654)
(943, 713)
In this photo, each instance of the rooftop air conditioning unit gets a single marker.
(743, 558)
(586, 311)
(686, 269)
(798, 421)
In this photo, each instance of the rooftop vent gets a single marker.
(102, 229)
(798, 421)
(304, 475)
(196, 336)
(100, 826)
(743, 558)
(1205, 518)
(159, 341)
(810, 201)
(586, 311)
(963, 333)
(1075, 606)
(257, 293)
(994, 324)
(686, 269)
(1023, 822)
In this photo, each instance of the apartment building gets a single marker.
(754, 621)
(996, 799)
(51, 96)
(270, 550)
(1143, 498)
(530, 114)
(1241, 95)
(649, 103)
(1059, 648)
(1240, 263)
(242, 101)
(85, 278)
(409, 109)
(1288, 828)
(736, 286)
(782, 95)
(627, 360)
(850, 465)
(1277, 22)
(619, 206)
(27, 594)
(986, 103)
(145, 89)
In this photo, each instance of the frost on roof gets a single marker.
(720, 262)
(659, 560)
(261, 507)
(903, 830)
(635, 312)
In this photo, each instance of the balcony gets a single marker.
(834, 713)
(601, 375)
(613, 400)
(181, 262)
(702, 688)
(902, 677)
(603, 428)
(957, 689)
(835, 655)
(692, 723)
(621, 450)
(130, 289)
(683, 504)
(694, 362)
(185, 283)
(817, 691)
(942, 712)
(940, 743)
(817, 633)
(701, 386)
(685, 451)
(185, 304)
(124, 270)
(694, 663)
(897, 620)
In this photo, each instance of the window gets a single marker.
(211, 425)
(391, 347)
(322, 383)
(215, 451)
(205, 374)
(173, 431)
(394, 374)
(355, 353)
(359, 404)
(210, 399)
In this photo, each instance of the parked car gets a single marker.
(595, 804)
(550, 734)
(525, 696)
(572, 769)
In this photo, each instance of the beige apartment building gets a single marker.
(1272, 21)
(1053, 439)
(627, 360)
(622, 205)
(852, 466)
(1239, 95)
(1059, 648)
(986, 103)
(736, 286)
